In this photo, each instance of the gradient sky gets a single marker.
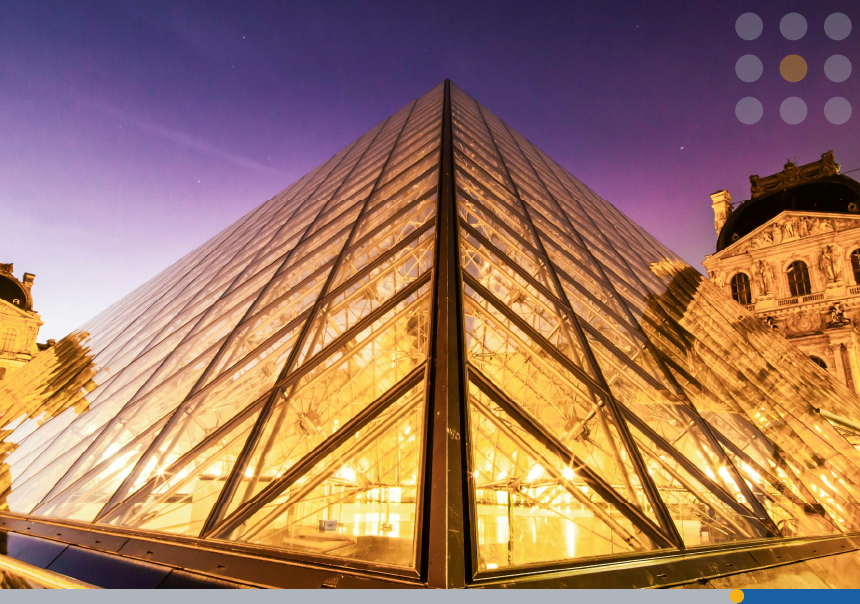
(132, 132)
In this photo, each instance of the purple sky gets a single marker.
(131, 132)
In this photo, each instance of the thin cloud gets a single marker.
(174, 136)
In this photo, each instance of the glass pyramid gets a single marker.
(437, 353)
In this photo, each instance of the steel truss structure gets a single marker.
(438, 359)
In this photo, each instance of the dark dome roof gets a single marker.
(834, 194)
(13, 292)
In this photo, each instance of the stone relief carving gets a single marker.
(718, 278)
(791, 229)
(803, 323)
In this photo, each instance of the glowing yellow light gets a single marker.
(119, 465)
(535, 473)
(568, 473)
(347, 473)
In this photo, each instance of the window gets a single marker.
(798, 279)
(741, 289)
(855, 265)
(7, 342)
(818, 362)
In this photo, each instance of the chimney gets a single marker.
(721, 201)
(28, 280)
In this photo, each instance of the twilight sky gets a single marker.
(132, 132)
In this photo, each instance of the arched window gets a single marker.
(818, 362)
(855, 265)
(798, 279)
(7, 342)
(741, 289)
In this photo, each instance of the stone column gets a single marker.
(836, 349)
(854, 360)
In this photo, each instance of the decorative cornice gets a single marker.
(792, 175)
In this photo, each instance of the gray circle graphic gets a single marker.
(749, 68)
(749, 26)
(837, 26)
(837, 110)
(793, 110)
(793, 26)
(749, 110)
(837, 68)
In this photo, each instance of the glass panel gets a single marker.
(84, 500)
(269, 322)
(137, 417)
(25, 496)
(792, 515)
(701, 516)
(209, 409)
(516, 293)
(532, 506)
(360, 502)
(378, 243)
(345, 308)
(498, 216)
(570, 409)
(572, 271)
(337, 388)
(419, 181)
(178, 498)
(505, 243)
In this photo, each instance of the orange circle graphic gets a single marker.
(793, 68)
(737, 596)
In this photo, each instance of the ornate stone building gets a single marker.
(791, 254)
(19, 323)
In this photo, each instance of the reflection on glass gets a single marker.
(532, 507)
(336, 388)
(360, 501)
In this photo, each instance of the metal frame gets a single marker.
(446, 532)
(267, 567)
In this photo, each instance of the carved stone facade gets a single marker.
(19, 323)
(800, 270)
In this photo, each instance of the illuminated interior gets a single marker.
(273, 388)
